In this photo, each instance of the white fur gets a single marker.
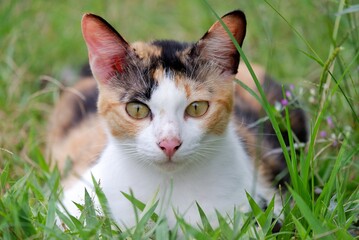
(214, 171)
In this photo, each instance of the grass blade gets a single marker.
(89, 211)
(205, 222)
(315, 224)
(140, 205)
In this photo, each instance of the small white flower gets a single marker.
(277, 106)
(312, 91)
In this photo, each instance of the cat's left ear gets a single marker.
(106, 48)
(216, 45)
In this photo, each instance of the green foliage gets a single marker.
(312, 44)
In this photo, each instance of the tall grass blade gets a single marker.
(266, 105)
(326, 194)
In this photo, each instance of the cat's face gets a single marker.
(167, 102)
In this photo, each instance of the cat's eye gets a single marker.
(137, 110)
(197, 109)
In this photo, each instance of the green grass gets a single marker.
(311, 44)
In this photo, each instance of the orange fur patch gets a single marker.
(187, 88)
(158, 74)
(114, 112)
(220, 99)
(219, 113)
(82, 147)
(145, 51)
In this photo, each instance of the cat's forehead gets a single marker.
(154, 61)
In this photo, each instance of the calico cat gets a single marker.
(166, 118)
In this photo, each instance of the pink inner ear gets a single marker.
(107, 49)
(217, 46)
(236, 23)
(117, 64)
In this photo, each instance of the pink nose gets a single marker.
(170, 146)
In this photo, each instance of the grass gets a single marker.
(311, 44)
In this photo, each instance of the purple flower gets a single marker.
(330, 122)
(284, 102)
(323, 134)
(288, 94)
(291, 87)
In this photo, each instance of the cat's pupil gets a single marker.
(137, 110)
(195, 105)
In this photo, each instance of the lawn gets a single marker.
(312, 45)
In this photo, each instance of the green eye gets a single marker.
(137, 110)
(197, 109)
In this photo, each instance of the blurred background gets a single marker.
(45, 36)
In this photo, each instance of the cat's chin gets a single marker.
(169, 166)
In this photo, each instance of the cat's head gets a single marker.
(168, 103)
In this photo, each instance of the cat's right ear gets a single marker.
(106, 48)
(216, 45)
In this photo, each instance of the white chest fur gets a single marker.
(219, 183)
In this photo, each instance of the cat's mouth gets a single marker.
(169, 165)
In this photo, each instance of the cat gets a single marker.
(166, 118)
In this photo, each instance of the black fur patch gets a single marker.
(137, 82)
(81, 108)
(191, 66)
(169, 59)
(85, 106)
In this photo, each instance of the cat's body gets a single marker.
(219, 184)
(165, 125)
